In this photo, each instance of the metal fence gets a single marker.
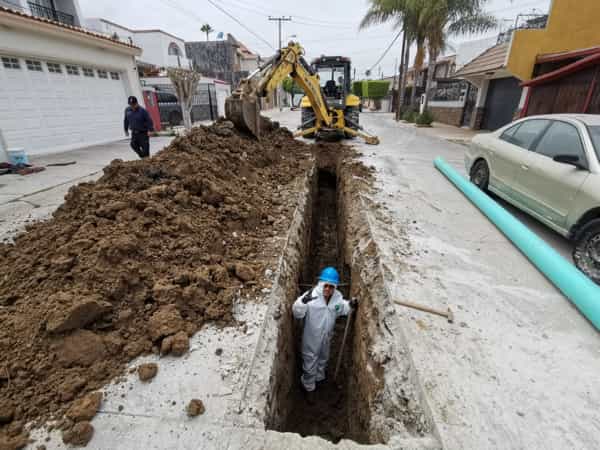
(38, 10)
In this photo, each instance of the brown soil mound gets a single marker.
(148, 253)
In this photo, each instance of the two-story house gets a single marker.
(62, 87)
(160, 49)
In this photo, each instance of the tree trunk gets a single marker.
(187, 118)
(404, 77)
(400, 96)
(413, 92)
(430, 74)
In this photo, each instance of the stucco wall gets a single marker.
(572, 25)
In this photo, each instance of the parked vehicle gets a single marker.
(169, 108)
(549, 167)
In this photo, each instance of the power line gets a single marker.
(231, 16)
(279, 20)
(303, 21)
(386, 51)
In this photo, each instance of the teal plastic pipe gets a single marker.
(576, 286)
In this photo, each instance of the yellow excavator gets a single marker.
(329, 110)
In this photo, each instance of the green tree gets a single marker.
(443, 18)
(206, 28)
(428, 23)
(292, 88)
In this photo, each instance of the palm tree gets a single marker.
(428, 23)
(206, 28)
(442, 18)
(382, 11)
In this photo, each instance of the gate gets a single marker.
(502, 102)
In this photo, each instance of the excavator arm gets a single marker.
(243, 109)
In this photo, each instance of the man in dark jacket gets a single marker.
(140, 122)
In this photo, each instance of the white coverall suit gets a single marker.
(319, 322)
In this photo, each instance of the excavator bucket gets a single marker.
(244, 112)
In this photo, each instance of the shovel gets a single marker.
(339, 359)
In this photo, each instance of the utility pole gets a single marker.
(279, 20)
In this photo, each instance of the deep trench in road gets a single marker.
(330, 416)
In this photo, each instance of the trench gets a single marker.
(332, 416)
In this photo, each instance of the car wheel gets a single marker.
(587, 250)
(480, 175)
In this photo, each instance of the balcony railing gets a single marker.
(50, 13)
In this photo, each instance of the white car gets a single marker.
(549, 167)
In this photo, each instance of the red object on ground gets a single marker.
(151, 102)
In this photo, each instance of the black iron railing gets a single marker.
(50, 13)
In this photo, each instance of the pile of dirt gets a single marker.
(137, 262)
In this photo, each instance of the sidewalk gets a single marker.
(25, 199)
(447, 132)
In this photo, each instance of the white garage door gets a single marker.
(48, 106)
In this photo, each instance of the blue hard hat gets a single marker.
(330, 275)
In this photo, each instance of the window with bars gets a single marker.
(102, 74)
(72, 70)
(88, 72)
(115, 76)
(54, 68)
(11, 63)
(34, 65)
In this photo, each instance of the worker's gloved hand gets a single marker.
(354, 303)
(308, 297)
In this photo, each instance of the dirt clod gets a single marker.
(78, 314)
(180, 344)
(85, 408)
(147, 371)
(79, 435)
(195, 408)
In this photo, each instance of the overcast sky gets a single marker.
(321, 26)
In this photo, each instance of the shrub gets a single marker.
(424, 119)
(374, 89)
(409, 116)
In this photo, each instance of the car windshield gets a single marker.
(335, 74)
(595, 134)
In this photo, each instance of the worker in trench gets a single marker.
(320, 307)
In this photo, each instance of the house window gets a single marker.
(87, 72)
(72, 70)
(174, 49)
(102, 74)
(115, 76)
(54, 68)
(34, 65)
(10, 63)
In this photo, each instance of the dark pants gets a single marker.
(140, 143)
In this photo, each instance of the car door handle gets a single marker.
(524, 167)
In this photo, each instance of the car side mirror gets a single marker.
(572, 160)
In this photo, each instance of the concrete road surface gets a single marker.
(518, 368)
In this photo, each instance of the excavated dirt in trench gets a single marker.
(133, 262)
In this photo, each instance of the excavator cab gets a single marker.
(336, 86)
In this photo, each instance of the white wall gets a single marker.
(155, 49)
(100, 26)
(21, 42)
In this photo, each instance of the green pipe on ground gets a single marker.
(576, 286)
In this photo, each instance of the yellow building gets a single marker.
(572, 25)
(547, 64)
